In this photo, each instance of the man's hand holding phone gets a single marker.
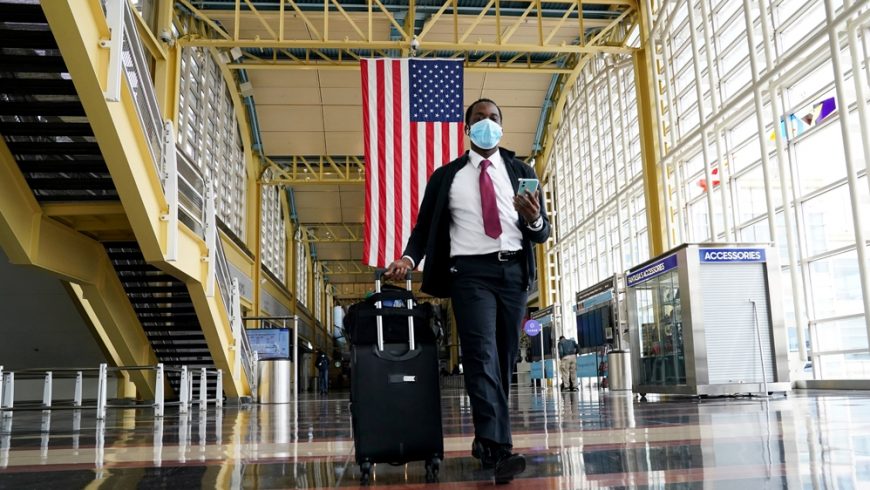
(526, 201)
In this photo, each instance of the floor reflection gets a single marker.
(586, 439)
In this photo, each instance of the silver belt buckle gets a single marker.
(503, 258)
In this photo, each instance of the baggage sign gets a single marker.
(532, 328)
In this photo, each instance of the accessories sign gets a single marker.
(714, 255)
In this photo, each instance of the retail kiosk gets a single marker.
(706, 319)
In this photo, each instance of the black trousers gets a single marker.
(489, 302)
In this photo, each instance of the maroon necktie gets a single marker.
(491, 223)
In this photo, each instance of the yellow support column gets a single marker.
(167, 71)
(648, 120)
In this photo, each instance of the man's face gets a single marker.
(481, 111)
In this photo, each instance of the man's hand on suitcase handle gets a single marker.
(398, 270)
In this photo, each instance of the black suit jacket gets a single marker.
(430, 237)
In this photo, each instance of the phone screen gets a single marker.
(527, 185)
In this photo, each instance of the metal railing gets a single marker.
(127, 55)
(191, 193)
(190, 196)
(101, 373)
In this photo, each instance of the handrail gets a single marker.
(187, 189)
(135, 67)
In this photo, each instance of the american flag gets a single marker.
(413, 123)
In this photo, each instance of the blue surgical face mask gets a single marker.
(486, 134)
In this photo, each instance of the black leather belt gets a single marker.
(503, 255)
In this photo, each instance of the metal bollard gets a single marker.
(219, 390)
(101, 393)
(185, 391)
(202, 390)
(77, 397)
(46, 390)
(8, 394)
(158, 391)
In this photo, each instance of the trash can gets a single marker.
(275, 381)
(619, 370)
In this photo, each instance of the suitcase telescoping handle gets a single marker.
(379, 274)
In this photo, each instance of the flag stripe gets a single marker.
(390, 173)
(446, 149)
(414, 180)
(383, 177)
(430, 149)
(367, 137)
(399, 158)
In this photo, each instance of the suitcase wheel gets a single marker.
(365, 473)
(432, 467)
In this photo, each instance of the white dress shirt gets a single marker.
(467, 236)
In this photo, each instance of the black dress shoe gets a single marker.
(508, 466)
(483, 452)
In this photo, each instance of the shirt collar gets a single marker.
(475, 159)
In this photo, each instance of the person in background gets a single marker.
(323, 373)
(477, 235)
(568, 363)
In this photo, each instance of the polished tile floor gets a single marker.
(587, 439)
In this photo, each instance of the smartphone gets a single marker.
(527, 185)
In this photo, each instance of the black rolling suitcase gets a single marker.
(395, 393)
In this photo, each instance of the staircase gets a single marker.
(45, 127)
(41, 117)
(164, 308)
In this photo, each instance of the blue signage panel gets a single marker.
(721, 255)
(596, 300)
(270, 343)
(655, 269)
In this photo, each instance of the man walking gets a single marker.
(568, 363)
(477, 236)
(323, 373)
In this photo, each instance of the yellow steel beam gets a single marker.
(205, 18)
(506, 36)
(476, 21)
(29, 237)
(82, 209)
(647, 112)
(560, 23)
(510, 66)
(327, 170)
(399, 45)
(150, 42)
(260, 18)
(304, 17)
(167, 70)
(332, 232)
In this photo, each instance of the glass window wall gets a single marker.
(771, 133)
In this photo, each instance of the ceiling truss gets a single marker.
(318, 169)
(448, 30)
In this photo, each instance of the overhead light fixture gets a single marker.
(236, 52)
